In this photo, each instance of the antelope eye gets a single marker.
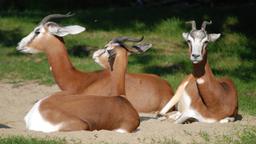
(37, 31)
(188, 41)
(206, 42)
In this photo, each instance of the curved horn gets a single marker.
(55, 16)
(193, 23)
(204, 24)
(127, 39)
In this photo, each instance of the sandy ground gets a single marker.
(17, 99)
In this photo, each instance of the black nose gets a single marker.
(195, 55)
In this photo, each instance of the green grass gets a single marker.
(29, 140)
(233, 55)
(205, 136)
(246, 136)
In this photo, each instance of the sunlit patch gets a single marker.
(121, 131)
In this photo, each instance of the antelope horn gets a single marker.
(193, 23)
(127, 39)
(204, 24)
(55, 16)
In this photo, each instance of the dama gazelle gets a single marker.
(201, 96)
(65, 112)
(146, 92)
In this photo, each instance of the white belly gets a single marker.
(34, 121)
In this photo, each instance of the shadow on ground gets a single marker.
(4, 126)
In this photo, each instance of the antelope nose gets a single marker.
(195, 55)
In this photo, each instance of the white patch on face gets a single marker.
(200, 81)
(195, 61)
(101, 53)
(29, 50)
(197, 45)
(22, 45)
(50, 68)
(34, 121)
(121, 130)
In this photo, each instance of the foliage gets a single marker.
(234, 55)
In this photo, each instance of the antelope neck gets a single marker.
(208, 87)
(118, 74)
(62, 69)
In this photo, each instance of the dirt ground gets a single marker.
(17, 99)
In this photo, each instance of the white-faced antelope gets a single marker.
(146, 92)
(201, 95)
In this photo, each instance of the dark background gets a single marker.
(83, 4)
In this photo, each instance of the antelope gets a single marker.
(146, 92)
(69, 112)
(151, 86)
(201, 96)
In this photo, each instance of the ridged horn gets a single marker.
(204, 24)
(193, 24)
(55, 16)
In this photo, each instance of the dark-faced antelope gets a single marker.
(201, 95)
(146, 92)
(65, 112)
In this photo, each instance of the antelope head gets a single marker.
(105, 57)
(45, 32)
(198, 40)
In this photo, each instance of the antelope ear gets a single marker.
(111, 58)
(63, 31)
(213, 37)
(185, 36)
